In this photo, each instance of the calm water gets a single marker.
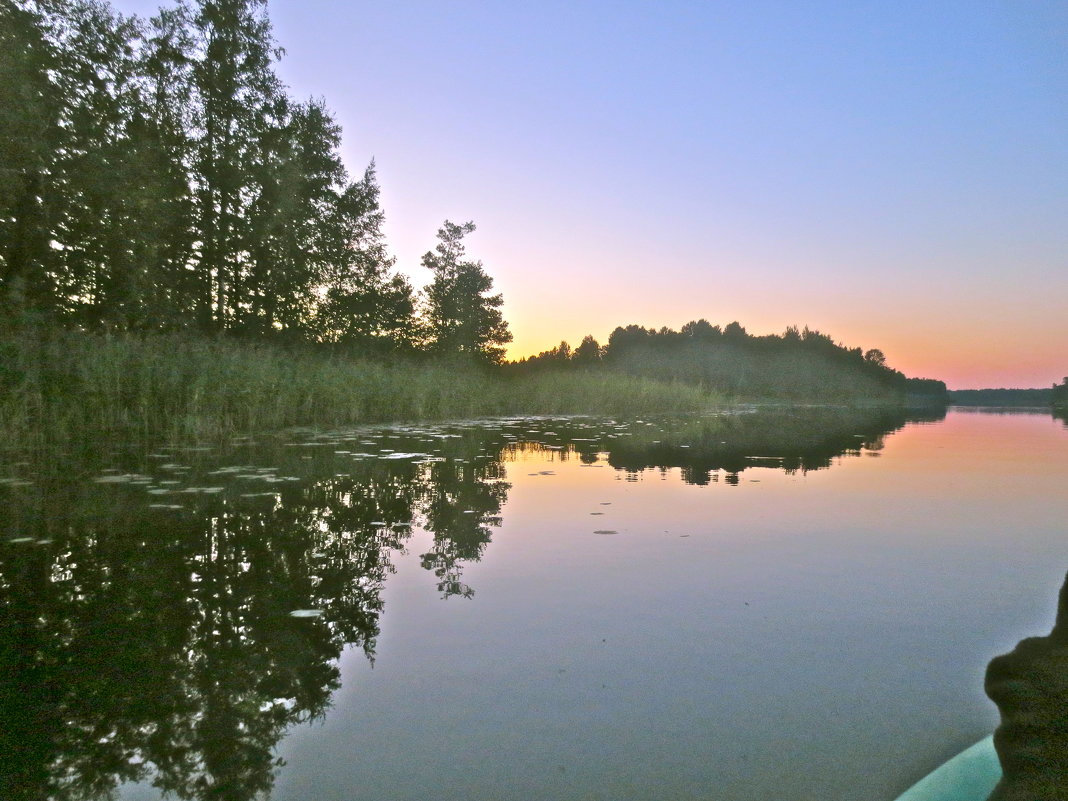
(778, 604)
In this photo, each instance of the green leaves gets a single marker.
(461, 319)
(157, 176)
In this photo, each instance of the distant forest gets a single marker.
(1001, 397)
(799, 364)
(1060, 395)
(156, 176)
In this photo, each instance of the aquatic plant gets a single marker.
(62, 387)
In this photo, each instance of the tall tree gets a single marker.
(238, 103)
(461, 318)
(366, 305)
(29, 127)
(300, 180)
(162, 157)
(88, 204)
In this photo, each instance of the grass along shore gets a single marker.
(66, 388)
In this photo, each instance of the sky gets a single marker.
(892, 174)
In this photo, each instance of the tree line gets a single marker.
(1000, 397)
(798, 363)
(155, 175)
(1059, 395)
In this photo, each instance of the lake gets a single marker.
(773, 603)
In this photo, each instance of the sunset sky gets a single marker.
(892, 174)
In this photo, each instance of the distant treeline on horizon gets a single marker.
(1059, 397)
(798, 364)
(1001, 397)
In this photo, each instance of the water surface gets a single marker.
(787, 603)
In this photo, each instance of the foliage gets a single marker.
(461, 319)
(156, 176)
(799, 365)
(1000, 397)
(154, 644)
(1059, 395)
(64, 387)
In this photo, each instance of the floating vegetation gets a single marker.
(122, 478)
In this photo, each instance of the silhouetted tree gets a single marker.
(461, 318)
(875, 356)
(169, 220)
(735, 331)
(587, 353)
(155, 175)
(801, 364)
(1060, 395)
(366, 304)
(86, 197)
(29, 129)
(239, 105)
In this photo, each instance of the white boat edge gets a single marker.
(969, 776)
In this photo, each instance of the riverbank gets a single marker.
(69, 387)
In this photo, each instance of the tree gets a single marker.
(735, 331)
(366, 305)
(93, 193)
(293, 220)
(239, 104)
(1060, 394)
(461, 319)
(164, 144)
(29, 126)
(876, 357)
(588, 352)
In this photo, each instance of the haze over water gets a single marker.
(792, 604)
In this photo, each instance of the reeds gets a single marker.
(69, 387)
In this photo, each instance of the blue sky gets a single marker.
(894, 174)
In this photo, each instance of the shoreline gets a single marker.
(69, 388)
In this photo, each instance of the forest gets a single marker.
(1001, 397)
(181, 242)
(799, 364)
(1059, 395)
(157, 176)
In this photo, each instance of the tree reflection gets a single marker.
(462, 500)
(795, 439)
(147, 631)
(157, 644)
